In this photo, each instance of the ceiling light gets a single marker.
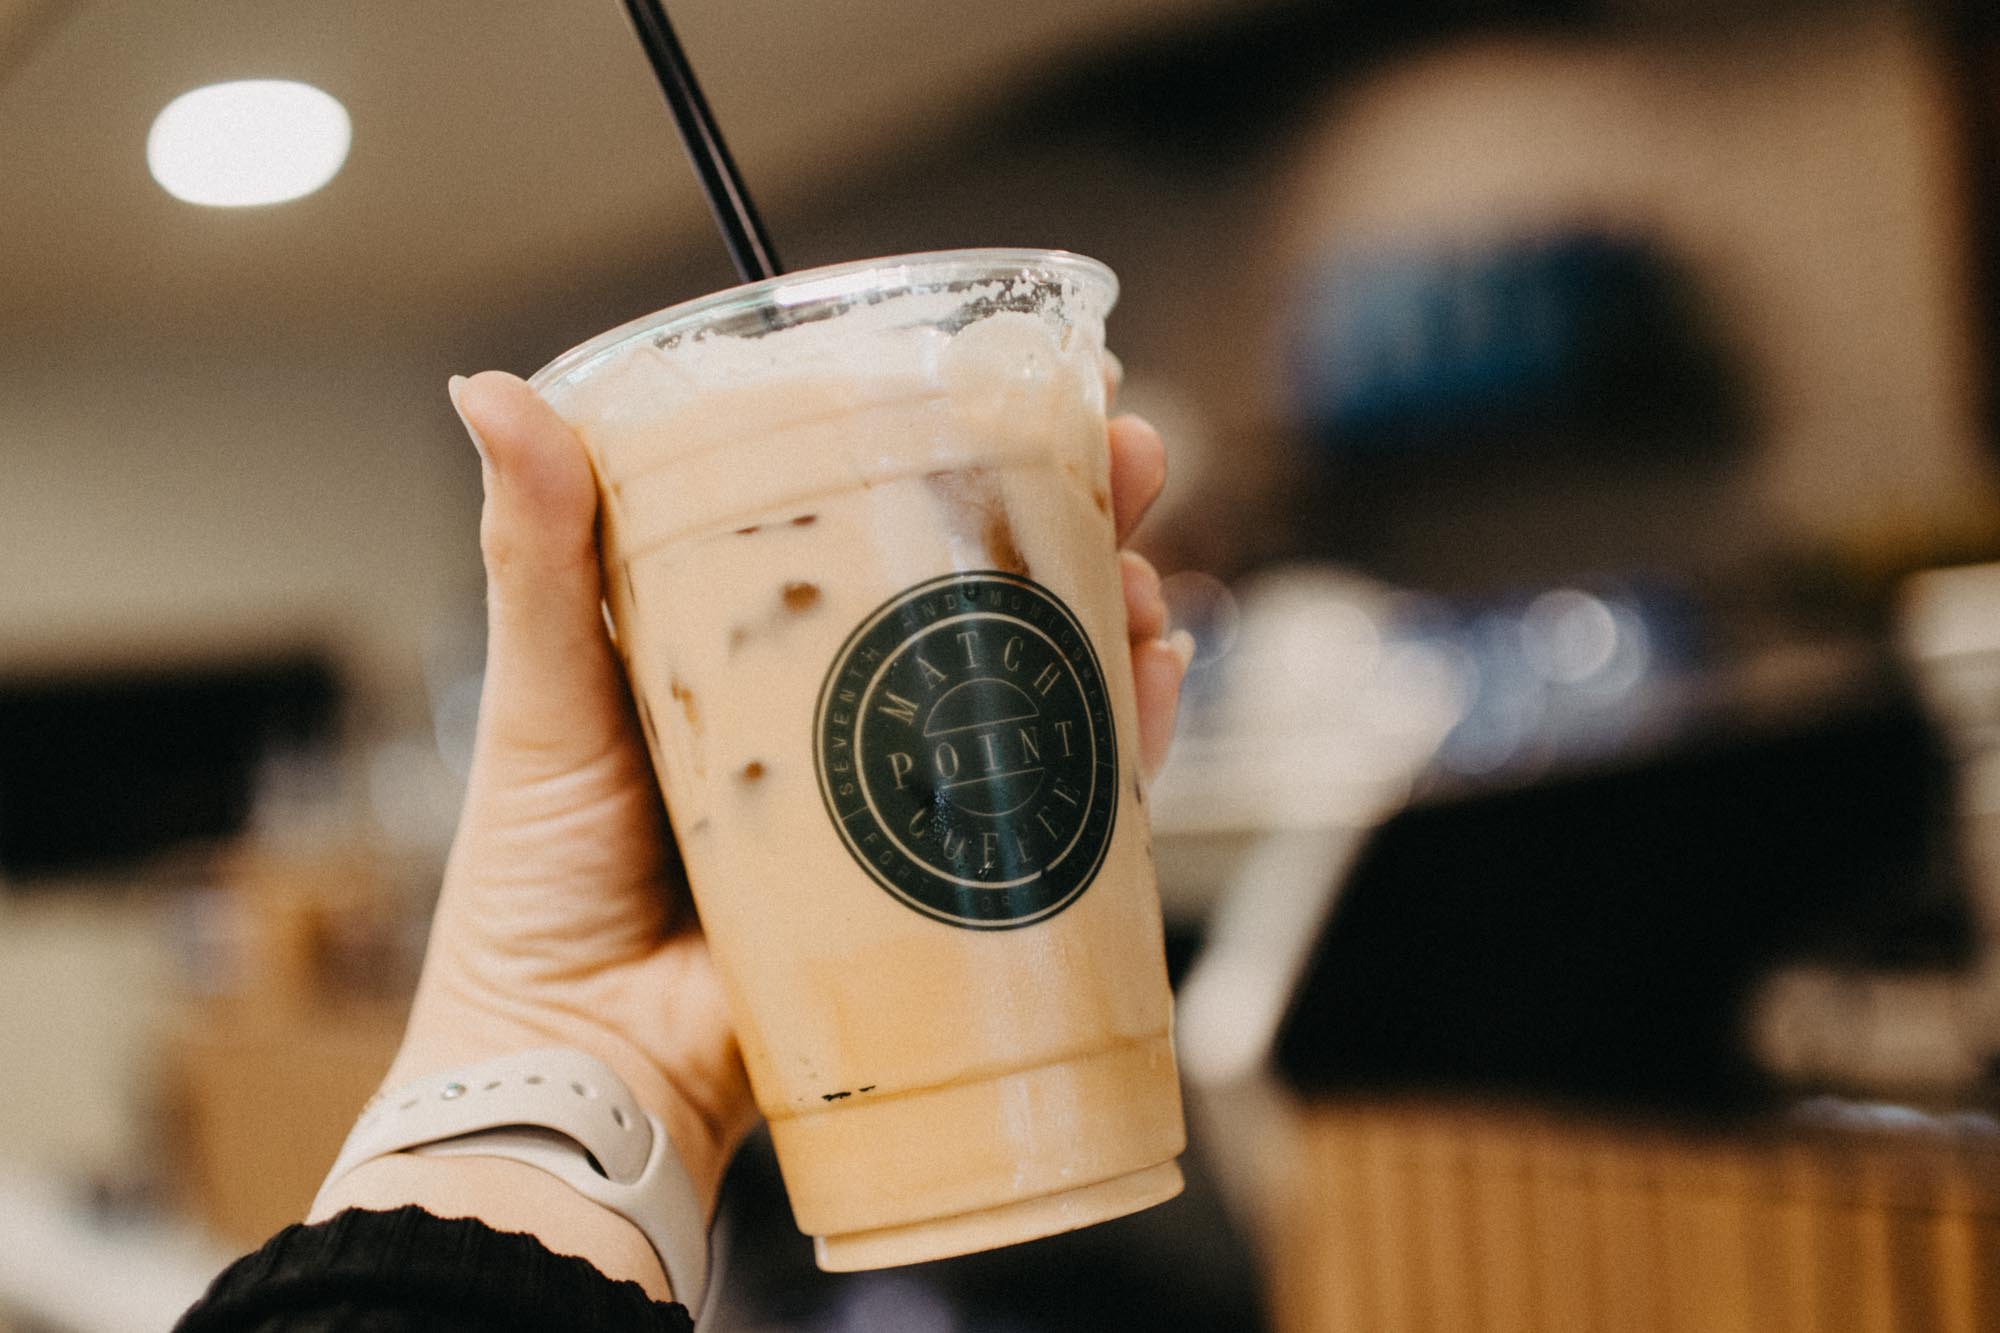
(259, 141)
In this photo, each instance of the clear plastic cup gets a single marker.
(860, 565)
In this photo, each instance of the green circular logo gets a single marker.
(965, 751)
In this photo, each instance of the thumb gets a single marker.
(552, 701)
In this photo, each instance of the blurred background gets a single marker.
(1582, 846)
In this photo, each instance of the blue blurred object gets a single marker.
(1581, 337)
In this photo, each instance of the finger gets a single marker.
(561, 849)
(1138, 471)
(1145, 608)
(1158, 667)
(552, 699)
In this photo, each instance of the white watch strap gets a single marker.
(566, 1113)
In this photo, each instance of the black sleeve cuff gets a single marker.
(408, 1270)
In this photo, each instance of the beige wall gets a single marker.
(161, 497)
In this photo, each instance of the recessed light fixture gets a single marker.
(257, 141)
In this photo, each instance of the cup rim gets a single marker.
(828, 281)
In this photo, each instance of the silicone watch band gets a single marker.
(566, 1113)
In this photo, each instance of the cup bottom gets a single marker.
(991, 1228)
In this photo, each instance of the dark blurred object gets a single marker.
(103, 768)
(1599, 934)
(1588, 340)
(1181, 1265)
(1567, 676)
(1970, 37)
(1209, 96)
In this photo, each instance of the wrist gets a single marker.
(507, 1196)
(561, 1147)
(701, 1144)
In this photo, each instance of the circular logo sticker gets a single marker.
(965, 751)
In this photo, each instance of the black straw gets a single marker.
(742, 232)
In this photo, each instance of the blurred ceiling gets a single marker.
(496, 142)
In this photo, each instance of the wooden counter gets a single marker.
(1407, 1217)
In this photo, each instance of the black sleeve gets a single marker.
(405, 1270)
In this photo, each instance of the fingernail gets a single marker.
(453, 387)
(1181, 644)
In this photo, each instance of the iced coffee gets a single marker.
(861, 568)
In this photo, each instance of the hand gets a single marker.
(563, 919)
